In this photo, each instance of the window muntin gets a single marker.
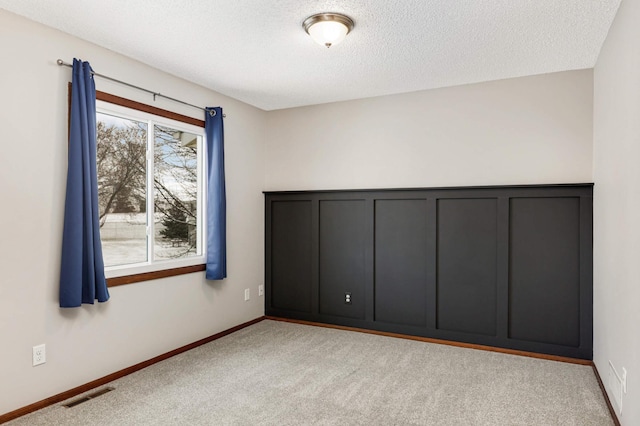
(150, 185)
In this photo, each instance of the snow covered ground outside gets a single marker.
(124, 241)
(125, 252)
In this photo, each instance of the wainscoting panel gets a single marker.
(290, 250)
(342, 257)
(467, 262)
(400, 261)
(505, 266)
(545, 270)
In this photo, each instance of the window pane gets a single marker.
(175, 193)
(122, 199)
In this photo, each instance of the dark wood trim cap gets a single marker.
(147, 276)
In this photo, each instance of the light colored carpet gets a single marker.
(276, 373)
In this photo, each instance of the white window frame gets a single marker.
(152, 265)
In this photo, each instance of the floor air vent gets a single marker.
(88, 397)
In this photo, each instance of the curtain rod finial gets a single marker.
(60, 62)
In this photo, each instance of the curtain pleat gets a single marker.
(82, 278)
(216, 196)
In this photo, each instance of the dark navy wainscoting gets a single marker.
(505, 266)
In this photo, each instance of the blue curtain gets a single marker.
(216, 197)
(82, 277)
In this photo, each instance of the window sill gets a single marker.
(146, 276)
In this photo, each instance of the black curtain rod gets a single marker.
(63, 63)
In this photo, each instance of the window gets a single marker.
(150, 190)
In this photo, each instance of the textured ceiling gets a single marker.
(257, 51)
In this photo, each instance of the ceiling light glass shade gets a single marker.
(328, 29)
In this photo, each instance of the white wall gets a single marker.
(529, 130)
(617, 205)
(141, 320)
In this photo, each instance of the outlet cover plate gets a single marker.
(616, 386)
(39, 355)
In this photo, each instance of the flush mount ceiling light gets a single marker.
(328, 29)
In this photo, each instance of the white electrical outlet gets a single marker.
(247, 294)
(39, 355)
(261, 290)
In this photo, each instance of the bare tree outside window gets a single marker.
(122, 190)
(175, 182)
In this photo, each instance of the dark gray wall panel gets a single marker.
(466, 277)
(291, 255)
(544, 284)
(400, 261)
(429, 256)
(342, 257)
